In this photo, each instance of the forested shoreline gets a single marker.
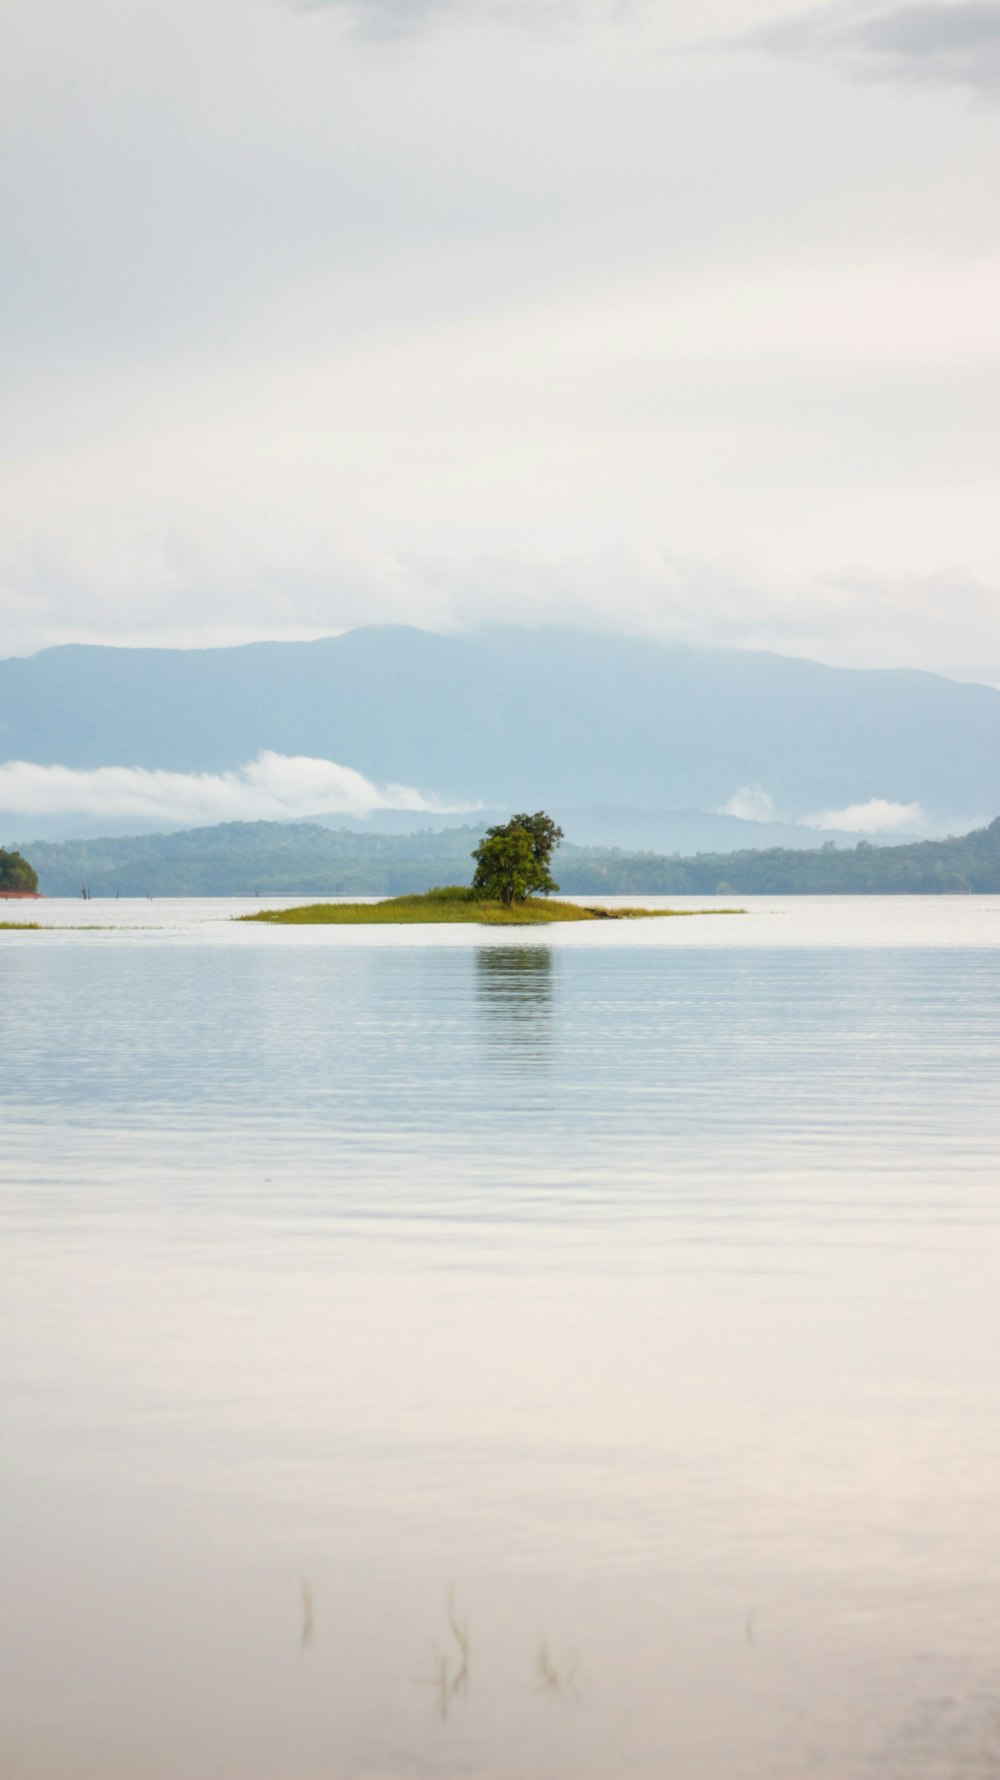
(273, 858)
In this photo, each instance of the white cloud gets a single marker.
(751, 802)
(273, 787)
(398, 18)
(877, 816)
(637, 455)
(682, 21)
(952, 43)
(490, 323)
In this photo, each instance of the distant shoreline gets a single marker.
(310, 860)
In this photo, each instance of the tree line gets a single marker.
(240, 859)
(15, 872)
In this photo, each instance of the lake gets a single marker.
(565, 1353)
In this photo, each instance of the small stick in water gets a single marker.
(307, 1614)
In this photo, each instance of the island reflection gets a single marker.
(515, 995)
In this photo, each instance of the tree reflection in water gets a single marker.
(515, 993)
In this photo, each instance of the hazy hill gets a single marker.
(242, 858)
(269, 858)
(509, 717)
(637, 830)
(966, 865)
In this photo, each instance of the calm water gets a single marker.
(623, 1303)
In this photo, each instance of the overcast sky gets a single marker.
(679, 317)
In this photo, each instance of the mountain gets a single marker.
(244, 858)
(512, 717)
(969, 864)
(304, 859)
(655, 831)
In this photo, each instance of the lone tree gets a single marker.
(512, 859)
(16, 873)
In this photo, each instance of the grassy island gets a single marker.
(457, 902)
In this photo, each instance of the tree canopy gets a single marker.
(512, 859)
(16, 873)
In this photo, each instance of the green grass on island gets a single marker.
(458, 903)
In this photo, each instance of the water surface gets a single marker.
(622, 1300)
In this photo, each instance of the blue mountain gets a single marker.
(509, 716)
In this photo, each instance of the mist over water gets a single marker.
(475, 1356)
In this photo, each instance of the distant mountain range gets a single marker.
(305, 859)
(511, 718)
(656, 831)
(646, 831)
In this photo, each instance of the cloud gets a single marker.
(384, 18)
(549, 327)
(751, 803)
(398, 18)
(273, 787)
(227, 589)
(877, 816)
(953, 43)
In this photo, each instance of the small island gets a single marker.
(456, 902)
(511, 888)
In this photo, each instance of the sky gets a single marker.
(679, 317)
